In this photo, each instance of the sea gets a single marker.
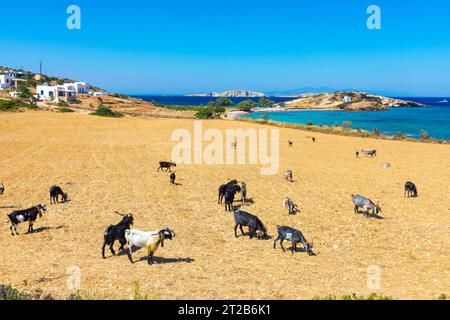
(410, 121)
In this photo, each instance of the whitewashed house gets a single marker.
(58, 93)
(6, 81)
(347, 99)
(82, 87)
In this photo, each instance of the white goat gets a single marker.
(150, 240)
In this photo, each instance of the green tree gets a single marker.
(264, 102)
(206, 113)
(247, 105)
(223, 102)
(25, 93)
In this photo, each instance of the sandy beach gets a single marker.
(111, 164)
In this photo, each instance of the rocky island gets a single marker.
(230, 94)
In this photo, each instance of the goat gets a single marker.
(223, 189)
(29, 215)
(166, 165)
(291, 206)
(117, 232)
(357, 154)
(55, 192)
(289, 176)
(173, 177)
(230, 193)
(2, 189)
(366, 204)
(291, 143)
(313, 139)
(411, 190)
(369, 153)
(295, 236)
(243, 192)
(254, 224)
(150, 240)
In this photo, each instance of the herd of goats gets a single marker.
(125, 235)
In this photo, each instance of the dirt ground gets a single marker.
(111, 164)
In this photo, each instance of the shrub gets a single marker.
(265, 117)
(9, 293)
(13, 105)
(247, 105)
(65, 110)
(205, 113)
(106, 112)
(309, 123)
(121, 96)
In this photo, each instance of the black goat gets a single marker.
(291, 143)
(295, 236)
(55, 192)
(411, 190)
(223, 189)
(29, 215)
(166, 165)
(173, 177)
(245, 219)
(230, 193)
(2, 189)
(117, 233)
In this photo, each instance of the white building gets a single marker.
(347, 99)
(65, 92)
(6, 81)
(82, 87)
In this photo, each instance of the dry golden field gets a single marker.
(110, 164)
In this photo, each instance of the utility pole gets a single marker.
(40, 68)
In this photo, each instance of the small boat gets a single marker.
(443, 101)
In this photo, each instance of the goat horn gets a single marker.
(120, 214)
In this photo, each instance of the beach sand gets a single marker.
(111, 164)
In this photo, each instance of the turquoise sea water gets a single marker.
(409, 121)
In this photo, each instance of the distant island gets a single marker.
(230, 94)
(350, 101)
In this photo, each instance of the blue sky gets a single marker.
(149, 46)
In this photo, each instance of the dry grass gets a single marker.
(110, 164)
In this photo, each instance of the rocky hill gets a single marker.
(349, 101)
(231, 94)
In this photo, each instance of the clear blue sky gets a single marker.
(186, 46)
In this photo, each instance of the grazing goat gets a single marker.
(150, 240)
(230, 193)
(29, 215)
(295, 236)
(2, 189)
(173, 177)
(291, 206)
(117, 232)
(411, 190)
(243, 192)
(55, 192)
(289, 176)
(223, 189)
(369, 153)
(313, 139)
(245, 219)
(166, 165)
(366, 204)
(291, 143)
(357, 154)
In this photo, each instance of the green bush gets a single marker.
(65, 110)
(9, 293)
(205, 113)
(247, 105)
(309, 123)
(13, 105)
(106, 112)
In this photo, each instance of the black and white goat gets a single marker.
(166, 166)
(2, 189)
(290, 206)
(29, 215)
(367, 204)
(149, 240)
(289, 176)
(295, 236)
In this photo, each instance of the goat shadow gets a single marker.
(42, 229)
(300, 249)
(176, 184)
(249, 201)
(160, 260)
(8, 207)
(247, 234)
(372, 215)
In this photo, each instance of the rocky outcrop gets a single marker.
(231, 94)
(357, 101)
